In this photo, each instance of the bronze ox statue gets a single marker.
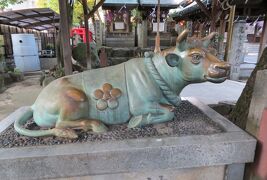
(140, 91)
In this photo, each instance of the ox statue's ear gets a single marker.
(206, 40)
(172, 60)
(181, 40)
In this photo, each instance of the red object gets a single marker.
(181, 23)
(261, 152)
(81, 32)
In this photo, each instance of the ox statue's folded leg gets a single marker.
(73, 115)
(84, 124)
(66, 123)
(157, 113)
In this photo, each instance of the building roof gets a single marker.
(184, 11)
(141, 3)
(163, 3)
(114, 3)
(245, 2)
(37, 18)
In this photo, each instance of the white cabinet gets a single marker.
(25, 52)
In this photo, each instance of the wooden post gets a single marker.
(157, 40)
(221, 33)
(229, 33)
(54, 41)
(214, 12)
(263, 37)
(255, 33)
(201, 27)
(103, 58)
(65, 36)
(88, 54)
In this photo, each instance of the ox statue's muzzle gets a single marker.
(218, 72)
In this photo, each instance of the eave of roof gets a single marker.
(37, 18)
(141, 3)
(179, 12)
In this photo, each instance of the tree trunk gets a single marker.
(86, 26)
(59, 54)
(66, 16)
(239, 114)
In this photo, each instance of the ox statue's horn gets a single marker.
(206, 40)
(181, 39)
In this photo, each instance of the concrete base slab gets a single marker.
(134, 157)
(201, 173)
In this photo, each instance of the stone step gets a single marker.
(123, 52)
(118, 60)
(32, 73)
(246, 70)
(164, 41)
(120, 41)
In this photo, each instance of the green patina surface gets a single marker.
(148, 89)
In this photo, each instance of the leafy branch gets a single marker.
(6, 3)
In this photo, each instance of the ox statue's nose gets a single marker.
(219, 70)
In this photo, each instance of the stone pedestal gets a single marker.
(48, 63)
(236, 54)
(257, 125)
(214, 156)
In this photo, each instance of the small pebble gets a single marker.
(189, 120)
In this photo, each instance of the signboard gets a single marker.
(161, 27)
(119, 25)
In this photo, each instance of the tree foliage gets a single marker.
(77, 10)
(5, 3)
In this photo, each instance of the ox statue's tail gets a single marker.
(27, 115)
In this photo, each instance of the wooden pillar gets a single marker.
(86, 17)
(221, 34)
(255, 32)
(200, 29)
(157, 42)
(263, 37)
(229, 33)
(214, 10)
(54, 42)
(193, 28)
(65, 36)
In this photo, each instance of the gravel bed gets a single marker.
(189, 120)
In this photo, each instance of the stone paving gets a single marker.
(210, 93)
(19, 94)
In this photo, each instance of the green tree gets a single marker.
(52, 4)
(5, 3)
(77, 9)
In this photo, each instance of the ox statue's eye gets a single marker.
(196, 58)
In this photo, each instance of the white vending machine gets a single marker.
(25, 52)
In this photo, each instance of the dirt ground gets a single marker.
(19, 94)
